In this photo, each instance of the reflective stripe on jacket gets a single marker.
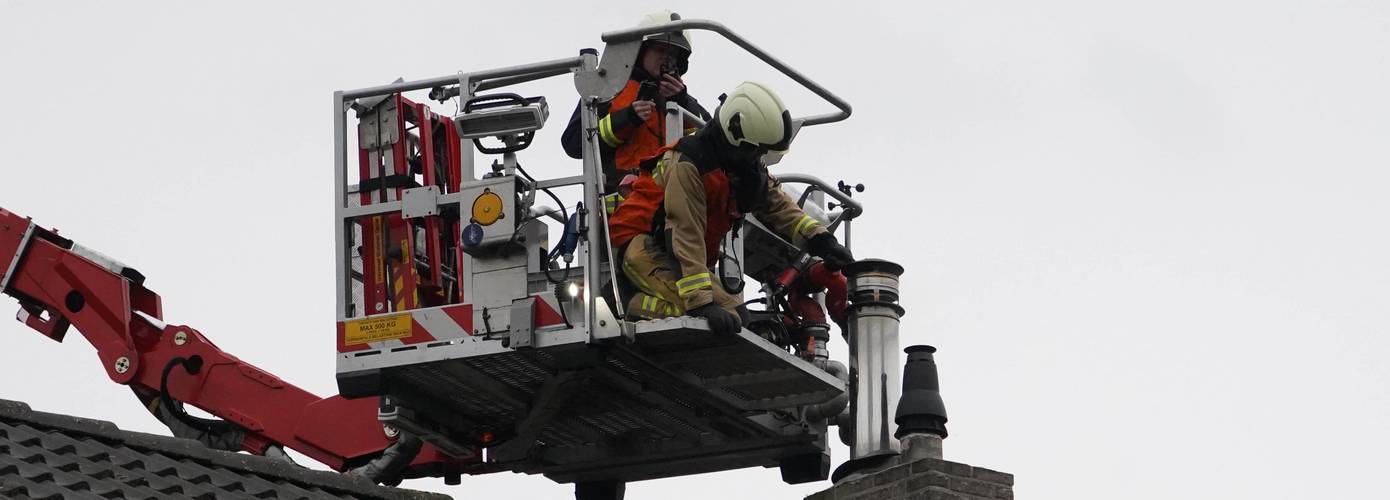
(632, 139)
(618, 125)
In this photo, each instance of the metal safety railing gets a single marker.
(468, 83)
(636, 34)
(596, 82)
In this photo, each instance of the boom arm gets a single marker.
(61, 284)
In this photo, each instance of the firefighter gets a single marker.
(686, 200)
(631, 127)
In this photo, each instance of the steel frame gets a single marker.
(60, 284)
(596, 81)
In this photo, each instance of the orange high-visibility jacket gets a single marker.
(624, 139)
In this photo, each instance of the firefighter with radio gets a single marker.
(685, 201)
(631, 126)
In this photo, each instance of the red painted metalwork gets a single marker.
(801, 281)
(455, 229)
(545, 315)
(801, 297)
(400, 236)
(426, 119)
(58, 287)
(394, 276)
(836, 290)
(373, 243)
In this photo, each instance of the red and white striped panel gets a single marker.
(428, 325)
(391, 330)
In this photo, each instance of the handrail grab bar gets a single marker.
(631, 34)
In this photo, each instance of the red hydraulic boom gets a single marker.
(60, 284)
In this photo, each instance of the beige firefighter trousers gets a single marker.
(649, 268)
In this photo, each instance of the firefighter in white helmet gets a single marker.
(630, 128)
(686, 200)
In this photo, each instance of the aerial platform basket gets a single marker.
(675, 400)
(449, 311)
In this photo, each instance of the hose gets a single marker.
(564, 213)
(390, 467)
(192, 366)
(215, 434)
(558, 288)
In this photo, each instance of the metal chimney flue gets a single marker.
(874, 366)
(921, 415)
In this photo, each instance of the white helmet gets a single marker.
(752, 114)
(680, 39)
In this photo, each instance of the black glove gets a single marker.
(721, 321)
(829, 249)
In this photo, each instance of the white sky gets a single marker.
(1147, 237)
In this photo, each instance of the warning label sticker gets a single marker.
(366, 330)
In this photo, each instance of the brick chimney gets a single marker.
(918, 472)
(925, 479)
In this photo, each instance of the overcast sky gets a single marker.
(1148, 238)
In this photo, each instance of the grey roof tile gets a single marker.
(49, 456)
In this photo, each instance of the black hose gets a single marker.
(546, 269)
(564, 214)
(390, 467)
(192, 366)
(559, 287)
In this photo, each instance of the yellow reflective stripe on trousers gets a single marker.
(605, 132)
(692, 283)
(661, 306)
